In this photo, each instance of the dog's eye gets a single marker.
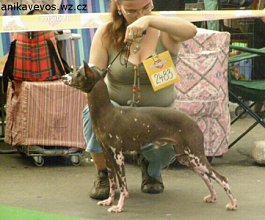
(78, 74)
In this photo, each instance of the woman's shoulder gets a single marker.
(101, 35)
(103, 28)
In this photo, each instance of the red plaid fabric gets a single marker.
(33, 61)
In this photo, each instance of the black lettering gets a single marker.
(161, 78)
(37, 7)
(70, 7)
(81, 7)
(170, 74)
(84, 7)
(3, 7)
(48, 7)
(41, 7)
(64, 7)
(19, 6)
(166, 75)
(10, 7)
(30, 7)
(53, 7)
(156, 79)
(23, 7)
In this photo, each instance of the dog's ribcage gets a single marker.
(135, 127)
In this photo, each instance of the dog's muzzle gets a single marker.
(67, 79)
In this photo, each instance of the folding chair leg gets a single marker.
(242, 113)
(258, 119)
(243, 134)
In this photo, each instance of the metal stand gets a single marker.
(70, 39)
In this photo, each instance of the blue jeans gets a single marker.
(157, 158)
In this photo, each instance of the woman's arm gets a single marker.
(174, 29)
(177, 28)
(98, 51)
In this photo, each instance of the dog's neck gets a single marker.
(99, 100)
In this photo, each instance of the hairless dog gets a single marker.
(121, 129)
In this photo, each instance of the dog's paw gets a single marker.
(106, 202)
(115, 209)
(232, 206)
(210, 199)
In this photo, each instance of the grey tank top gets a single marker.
(120, 79)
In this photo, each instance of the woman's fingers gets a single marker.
(132, 34)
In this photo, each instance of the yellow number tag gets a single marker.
(161, 70)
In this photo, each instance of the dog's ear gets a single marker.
(88, 71)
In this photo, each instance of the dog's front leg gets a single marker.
(120, 172)
(109, 201)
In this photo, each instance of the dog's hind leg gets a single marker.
(221, 180)
(186, 160)
(212, 197)
(202, 167)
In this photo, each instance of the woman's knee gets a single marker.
(87, 126)
(162, 156)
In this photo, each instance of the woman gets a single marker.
(134, 24)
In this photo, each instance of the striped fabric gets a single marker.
(44, 113)
(49, 113)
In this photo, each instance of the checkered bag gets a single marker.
(33, 56)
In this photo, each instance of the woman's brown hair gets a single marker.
(116, 28)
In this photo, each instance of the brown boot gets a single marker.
(149, 184)
(101, 187)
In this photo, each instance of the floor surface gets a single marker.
(60, 189)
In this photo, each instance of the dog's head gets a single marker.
(84, 78)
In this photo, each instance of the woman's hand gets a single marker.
(136, 29)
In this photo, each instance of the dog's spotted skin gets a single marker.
(125, 128)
